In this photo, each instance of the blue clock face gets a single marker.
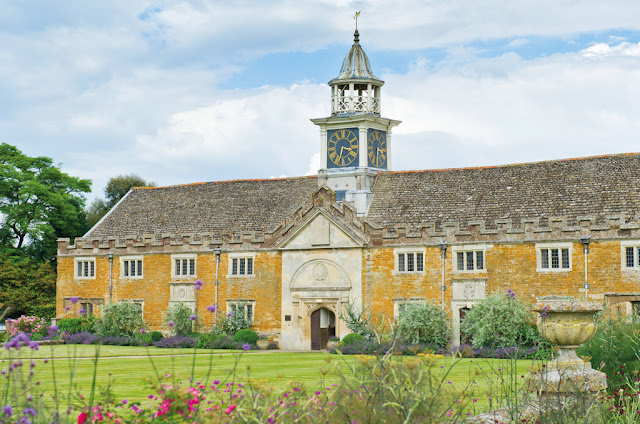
(377, 148)
(342, 148)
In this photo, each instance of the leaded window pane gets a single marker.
(419, 262)
(565, 258)
(93, 268)
(234, 267)
(629, 251)
(410, 264)
(480, 260)
(555, 258)
(460, 257)
(126, 268)
(242, 266)
(249, 266)
(544, 258)
(250, 313)
(192, 267)
(401, 262)
(469, 261)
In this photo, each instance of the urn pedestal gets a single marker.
(567, 378)
(263, 344)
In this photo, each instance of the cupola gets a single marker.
(356, 90)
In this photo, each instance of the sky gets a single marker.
(191, 91)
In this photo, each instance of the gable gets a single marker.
(321, 231)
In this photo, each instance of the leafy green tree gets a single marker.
(426, 324)
(28, 287)
(38, 203)
(115, 190)
(499, 321)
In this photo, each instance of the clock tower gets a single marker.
(355, 141)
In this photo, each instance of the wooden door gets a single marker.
(315, 330)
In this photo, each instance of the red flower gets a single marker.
(82, 418)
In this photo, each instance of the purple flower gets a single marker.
(229, 314)
(171, 323)
(53, 329)
(81, 311)
(142, 331)
(7, 409)
(73, 299)
(198, 284)
(29, 411)
(212, 308)
(193, 317)
(124, 401)
(246, 346)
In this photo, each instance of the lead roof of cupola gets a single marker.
(356, 65)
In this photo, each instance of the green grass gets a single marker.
(131, 368)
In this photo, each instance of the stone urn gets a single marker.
(567, 324)
(263, 344)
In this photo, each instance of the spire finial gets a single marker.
(356, 36)
(356, 18)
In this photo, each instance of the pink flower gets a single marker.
(230, 409)
(82, 418)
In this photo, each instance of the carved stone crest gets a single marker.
(320, 271)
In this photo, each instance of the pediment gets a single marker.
(321, 231)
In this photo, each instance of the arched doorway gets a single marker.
(323, 326)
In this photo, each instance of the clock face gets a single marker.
(342, 147)
(377, 148)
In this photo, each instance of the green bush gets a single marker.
(234, 321)
(155, 336)
(500, 321)
(120, 319)
(183, 320)
(246, 336)
(615, 350)
(424, 324)
(352, 338)
(77, 325)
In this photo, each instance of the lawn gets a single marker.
(131, 368)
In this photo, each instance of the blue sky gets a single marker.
(185, 91)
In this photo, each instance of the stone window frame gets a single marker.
(465, 249)
(91, 260)
(554, 246)
(128, 259)
(181, 257)
(231, 303)
(635, 244)
(408, 251)
(239, 257)
(404, 301)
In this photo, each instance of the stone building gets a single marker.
(290, 253)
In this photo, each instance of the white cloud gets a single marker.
(565, 105)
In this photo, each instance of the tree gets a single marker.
(38, 203)
(115, 190)
(28, 287)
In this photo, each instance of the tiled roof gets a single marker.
(598, 186)
(241, 205)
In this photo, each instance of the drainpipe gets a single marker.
(110, 256)
(217, 251)
(585, 240)
(443, 249)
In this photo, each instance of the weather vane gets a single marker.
(356, 18)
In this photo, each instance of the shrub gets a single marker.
(120, 319)
(84, 337)
(246, 336)
(155, 336)
(424, 324)
(176, 342)
(33, 326)
(181, 320)
(352, 338)
(122, 341)
(501, 320)
(615, 350)
(356, 321)
(77, 325)
(231, 323)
